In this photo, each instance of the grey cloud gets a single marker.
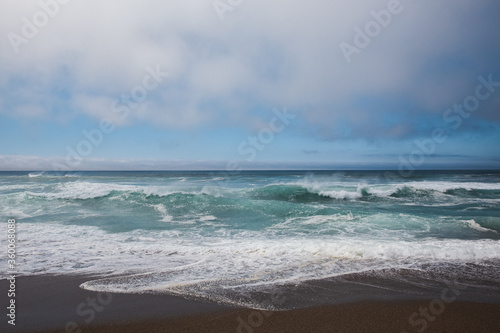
(272, 53)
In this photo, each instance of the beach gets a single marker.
(50, 304)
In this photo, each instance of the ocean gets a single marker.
(225, 237)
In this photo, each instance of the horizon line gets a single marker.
(245, 170)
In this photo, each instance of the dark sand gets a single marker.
(48, 304)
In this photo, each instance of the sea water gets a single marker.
(217, 234)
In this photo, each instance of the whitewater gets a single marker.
(221, 236)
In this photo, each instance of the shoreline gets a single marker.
(58, 304)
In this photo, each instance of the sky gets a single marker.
(230, 84)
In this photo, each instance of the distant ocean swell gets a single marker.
(286, 192)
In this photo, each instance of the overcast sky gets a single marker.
(265, 84)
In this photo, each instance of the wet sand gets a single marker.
(57, 304)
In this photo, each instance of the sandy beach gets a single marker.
(58, 304)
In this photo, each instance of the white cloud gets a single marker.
(275, 53)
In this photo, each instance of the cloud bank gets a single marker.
(263, 53)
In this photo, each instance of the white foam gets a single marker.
(208, 218)
(51, 175)
(90, 190)
(19, 187)
(165, 217)
(383, 191)
(320, 219)
(342, 194)
(218, 179)
(14, 211)
(443, 186)
(337, 189)
(36, 174)
(476, 226)
(449, 204)
(62, 249)
(83, 190)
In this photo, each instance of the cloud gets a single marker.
(53, 163)
(263, 53)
